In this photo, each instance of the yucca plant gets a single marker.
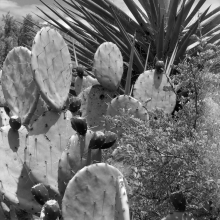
(160, 24)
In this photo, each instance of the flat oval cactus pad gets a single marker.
(19, 89)
(52, 67)
(155, 86)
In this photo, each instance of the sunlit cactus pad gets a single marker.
(128, 104)
(157, 87)
(2, 98)
(52, 67)
(108, 65)
(20, 91)
(92, 194)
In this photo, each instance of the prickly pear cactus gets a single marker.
(52, 67)
(20, 91)
(92, 194)
(15, 181)
(156, 86)
(94, 105)
(74, 158)
(84, 82)
(128, 104)
(4, 118)
(47, 139)
(108, 65)
(28, 158)
(2, 98)
(39, 110)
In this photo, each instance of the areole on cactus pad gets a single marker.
(20, 91)
(52, 66)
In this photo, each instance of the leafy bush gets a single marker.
(175, 152)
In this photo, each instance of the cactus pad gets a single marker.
(20, 91)
(83, 83)
(94, 105)
(73, 159)
(15, 181)
(52, 67)
(4, 118)
(2, 98)
(108, 65)
(129, 104)
(91, 194)
(155, 86)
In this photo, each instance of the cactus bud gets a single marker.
(110, 139)
(97, 140)
(79, 125)
(75, 104)
(80, 71)
(15, 122)
(40, 193)
(50, 211)
(159, 66)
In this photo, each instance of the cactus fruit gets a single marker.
(19, 89)
(108, 65)
(79, 125)
(92, 194)
(74, 104)
(80, 71)
(97, 140)
(52, 67)
(40, 193)
(50, 211)
(155, 85)
(84, 82)
(15, 123)
(94, 105)
(110, 140)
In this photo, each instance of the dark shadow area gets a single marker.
(13, 140)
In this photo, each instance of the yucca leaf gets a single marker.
(168, 68)
(74, 27)
(133, 8)
(186, 38)
(170, 25)
(146, 62)
(122, 16)
(160, 37)
(210, 23)
(194, 12)
(128, 79)
(154, 16)
(72, 34)
(126, 38)
(94, 34)
(177, 30)
(187, 8)
(214, 11)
